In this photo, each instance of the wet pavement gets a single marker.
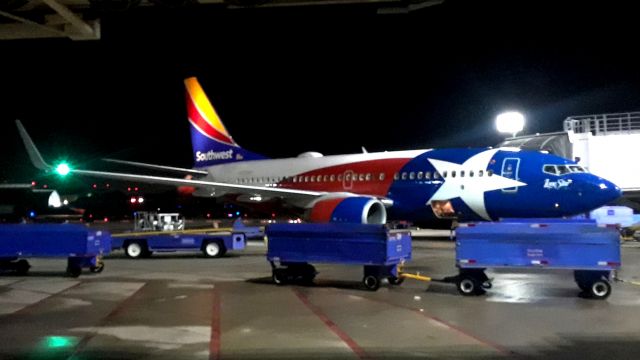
(185, 306)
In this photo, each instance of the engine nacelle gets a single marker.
(357, 209)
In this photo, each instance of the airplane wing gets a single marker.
(39, 162)
(301, 198)
(158, 167)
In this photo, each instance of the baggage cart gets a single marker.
(83, 247)
(293, 247)
(591, 251)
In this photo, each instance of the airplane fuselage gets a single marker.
(470, 184)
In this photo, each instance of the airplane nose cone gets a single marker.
(607, 191)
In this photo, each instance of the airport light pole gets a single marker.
(511, 122)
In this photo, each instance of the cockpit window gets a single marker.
(562, 169)
(550, 169)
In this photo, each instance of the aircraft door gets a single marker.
(510, 167)
(347, 180)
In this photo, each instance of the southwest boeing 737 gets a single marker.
(416, 185)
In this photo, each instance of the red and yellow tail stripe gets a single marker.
(202, 114)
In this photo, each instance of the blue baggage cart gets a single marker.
(83, 247)
(292, 247)
(590, 250)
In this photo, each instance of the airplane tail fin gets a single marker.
(212, 144)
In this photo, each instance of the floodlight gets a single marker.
(510, 122)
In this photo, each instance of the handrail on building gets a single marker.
(604, 124)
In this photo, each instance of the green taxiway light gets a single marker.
(63, 169)
(54, 342)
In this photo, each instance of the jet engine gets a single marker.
(356, 209)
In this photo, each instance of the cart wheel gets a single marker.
(599, 289)
(371, 282)
(98, 268)
(214, 249)
(74, 271)
(134, 250)
(279, 276)
(393, 280)
(469, 286)
(22, 267)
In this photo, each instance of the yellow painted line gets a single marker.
(174, 232)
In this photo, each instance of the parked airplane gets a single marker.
(416, 185)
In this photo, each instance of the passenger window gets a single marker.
(396, 176)
(326, 178)
(453, 174)
(404, 176)
(306, 178)
(339, 177)
(427, 175)
(347, 177)
(436, 175)
(420, 175)
(461, 173)
(489, 172)
(444, 174)
(312, 178)
(332, 178)
(481, 173)
(381, 177)
(319, 179)
(412, 175)
(361, 177)
(470, 173)
(368, 178)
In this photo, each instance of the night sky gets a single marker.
(328, 79)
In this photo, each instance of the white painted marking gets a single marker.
(48, 286)
(109, 291)
(14, 300)
(164, 338)
(190, 286)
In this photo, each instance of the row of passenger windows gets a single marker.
(562, 169)
(427, 175)
(413, 175)
(312, 178)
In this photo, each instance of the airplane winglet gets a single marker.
(32, 150)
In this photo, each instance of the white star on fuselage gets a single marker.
(470, 189)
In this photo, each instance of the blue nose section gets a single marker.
(606, 191)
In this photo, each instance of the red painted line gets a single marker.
(214, 343)
(502, 350)
(114, 313)
(331, 325)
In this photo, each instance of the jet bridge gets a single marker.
(606, 144)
